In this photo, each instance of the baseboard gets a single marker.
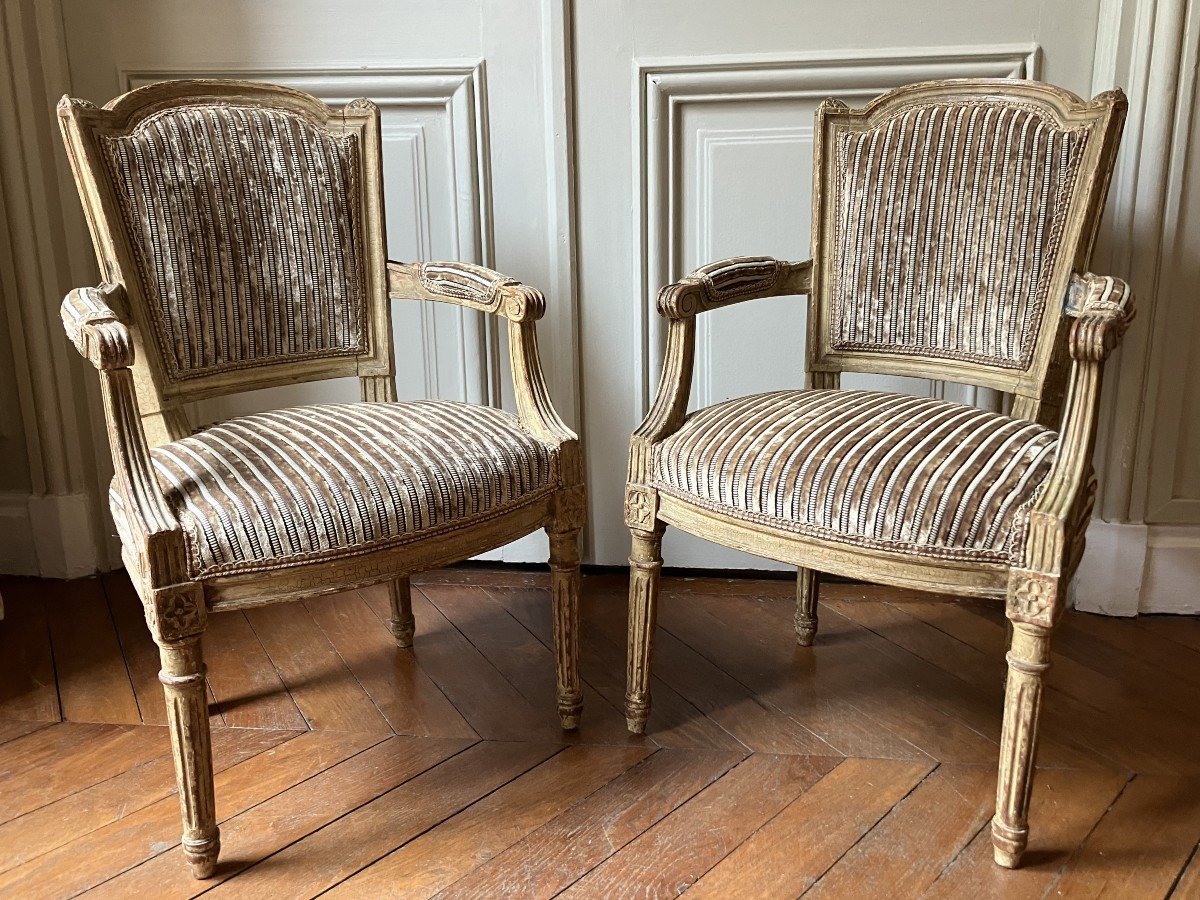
(1132, 568)
(52, 536)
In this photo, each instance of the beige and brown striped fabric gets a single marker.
(907, 474)
(949, 220)
(244, 224)
(315, 482)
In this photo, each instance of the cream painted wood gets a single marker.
(1084, 318)
(110, 327)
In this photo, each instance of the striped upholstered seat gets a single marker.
(907, 474)
(316, 482)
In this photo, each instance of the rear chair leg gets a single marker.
(645, 565)
(807, 586)
(564, 590)
(402, 624)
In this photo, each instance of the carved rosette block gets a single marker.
(1033, 598)
(641, 507)
(175, 613)
(570, 508)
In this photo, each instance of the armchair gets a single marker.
(952, 225)
(239, 232)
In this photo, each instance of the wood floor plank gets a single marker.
(392, 676)
(492, 707)
(107, 852)
(290, 816)
(62, 821)
(1188, 886)
(70, 760)
(245, 684)
(676, 722)
(10, 729)
(1064, 718)
(445, 854)
(789, 853)
(370, 832)
(556, 855)
(28, 688)
(137, 646)
(93, 683)
(1183, 630)
(321, 685)
(1066, 805)
(669, 857)
(1141, 845)
(911, 845)
(525, 662)
(735, 634)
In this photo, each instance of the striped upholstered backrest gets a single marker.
(243, 221)
(953, 213)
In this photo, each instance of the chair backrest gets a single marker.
(245, 222)
(947, 219)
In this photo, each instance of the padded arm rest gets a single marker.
(731, 281)
(467, 285)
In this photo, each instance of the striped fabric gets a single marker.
(906, 474)
(949, 219)
(243, 222)
(313, 482)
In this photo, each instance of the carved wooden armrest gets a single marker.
(1102, 307)
(467, 285)
(100, 336)
(94, 328)
(732, 281)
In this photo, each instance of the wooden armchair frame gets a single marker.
(110, 326)
(1083, 321)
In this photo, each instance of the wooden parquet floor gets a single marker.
(863, 767)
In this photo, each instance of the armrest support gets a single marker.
(100, 336)
(472, 286)
(713, 286)
(1102, 307)
(732, 281)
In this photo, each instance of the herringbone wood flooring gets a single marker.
(861, 767)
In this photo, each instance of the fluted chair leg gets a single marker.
(564, 590)
(807, 588)
(403, 624)
(645, 565)
(1028, 660)
(182, 677)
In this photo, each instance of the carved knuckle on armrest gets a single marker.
(1102, 307)
(717, 284)
(96, 331)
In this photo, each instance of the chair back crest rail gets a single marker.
(948, 218)
(173, 175)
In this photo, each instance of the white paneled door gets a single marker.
(596, 149)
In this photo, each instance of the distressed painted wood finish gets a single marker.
(1083, 319)
(111, 327)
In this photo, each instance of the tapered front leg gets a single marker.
(564, 591)
(182, 677)
(645, 565)
(402, 625)
(1028, 660)
(807, 585)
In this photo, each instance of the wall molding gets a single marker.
(1132, 568)
(457, 90)
(664, 86)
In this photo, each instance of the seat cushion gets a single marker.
(906, 474)
(316, 482)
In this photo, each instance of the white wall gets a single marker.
(598, 148)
